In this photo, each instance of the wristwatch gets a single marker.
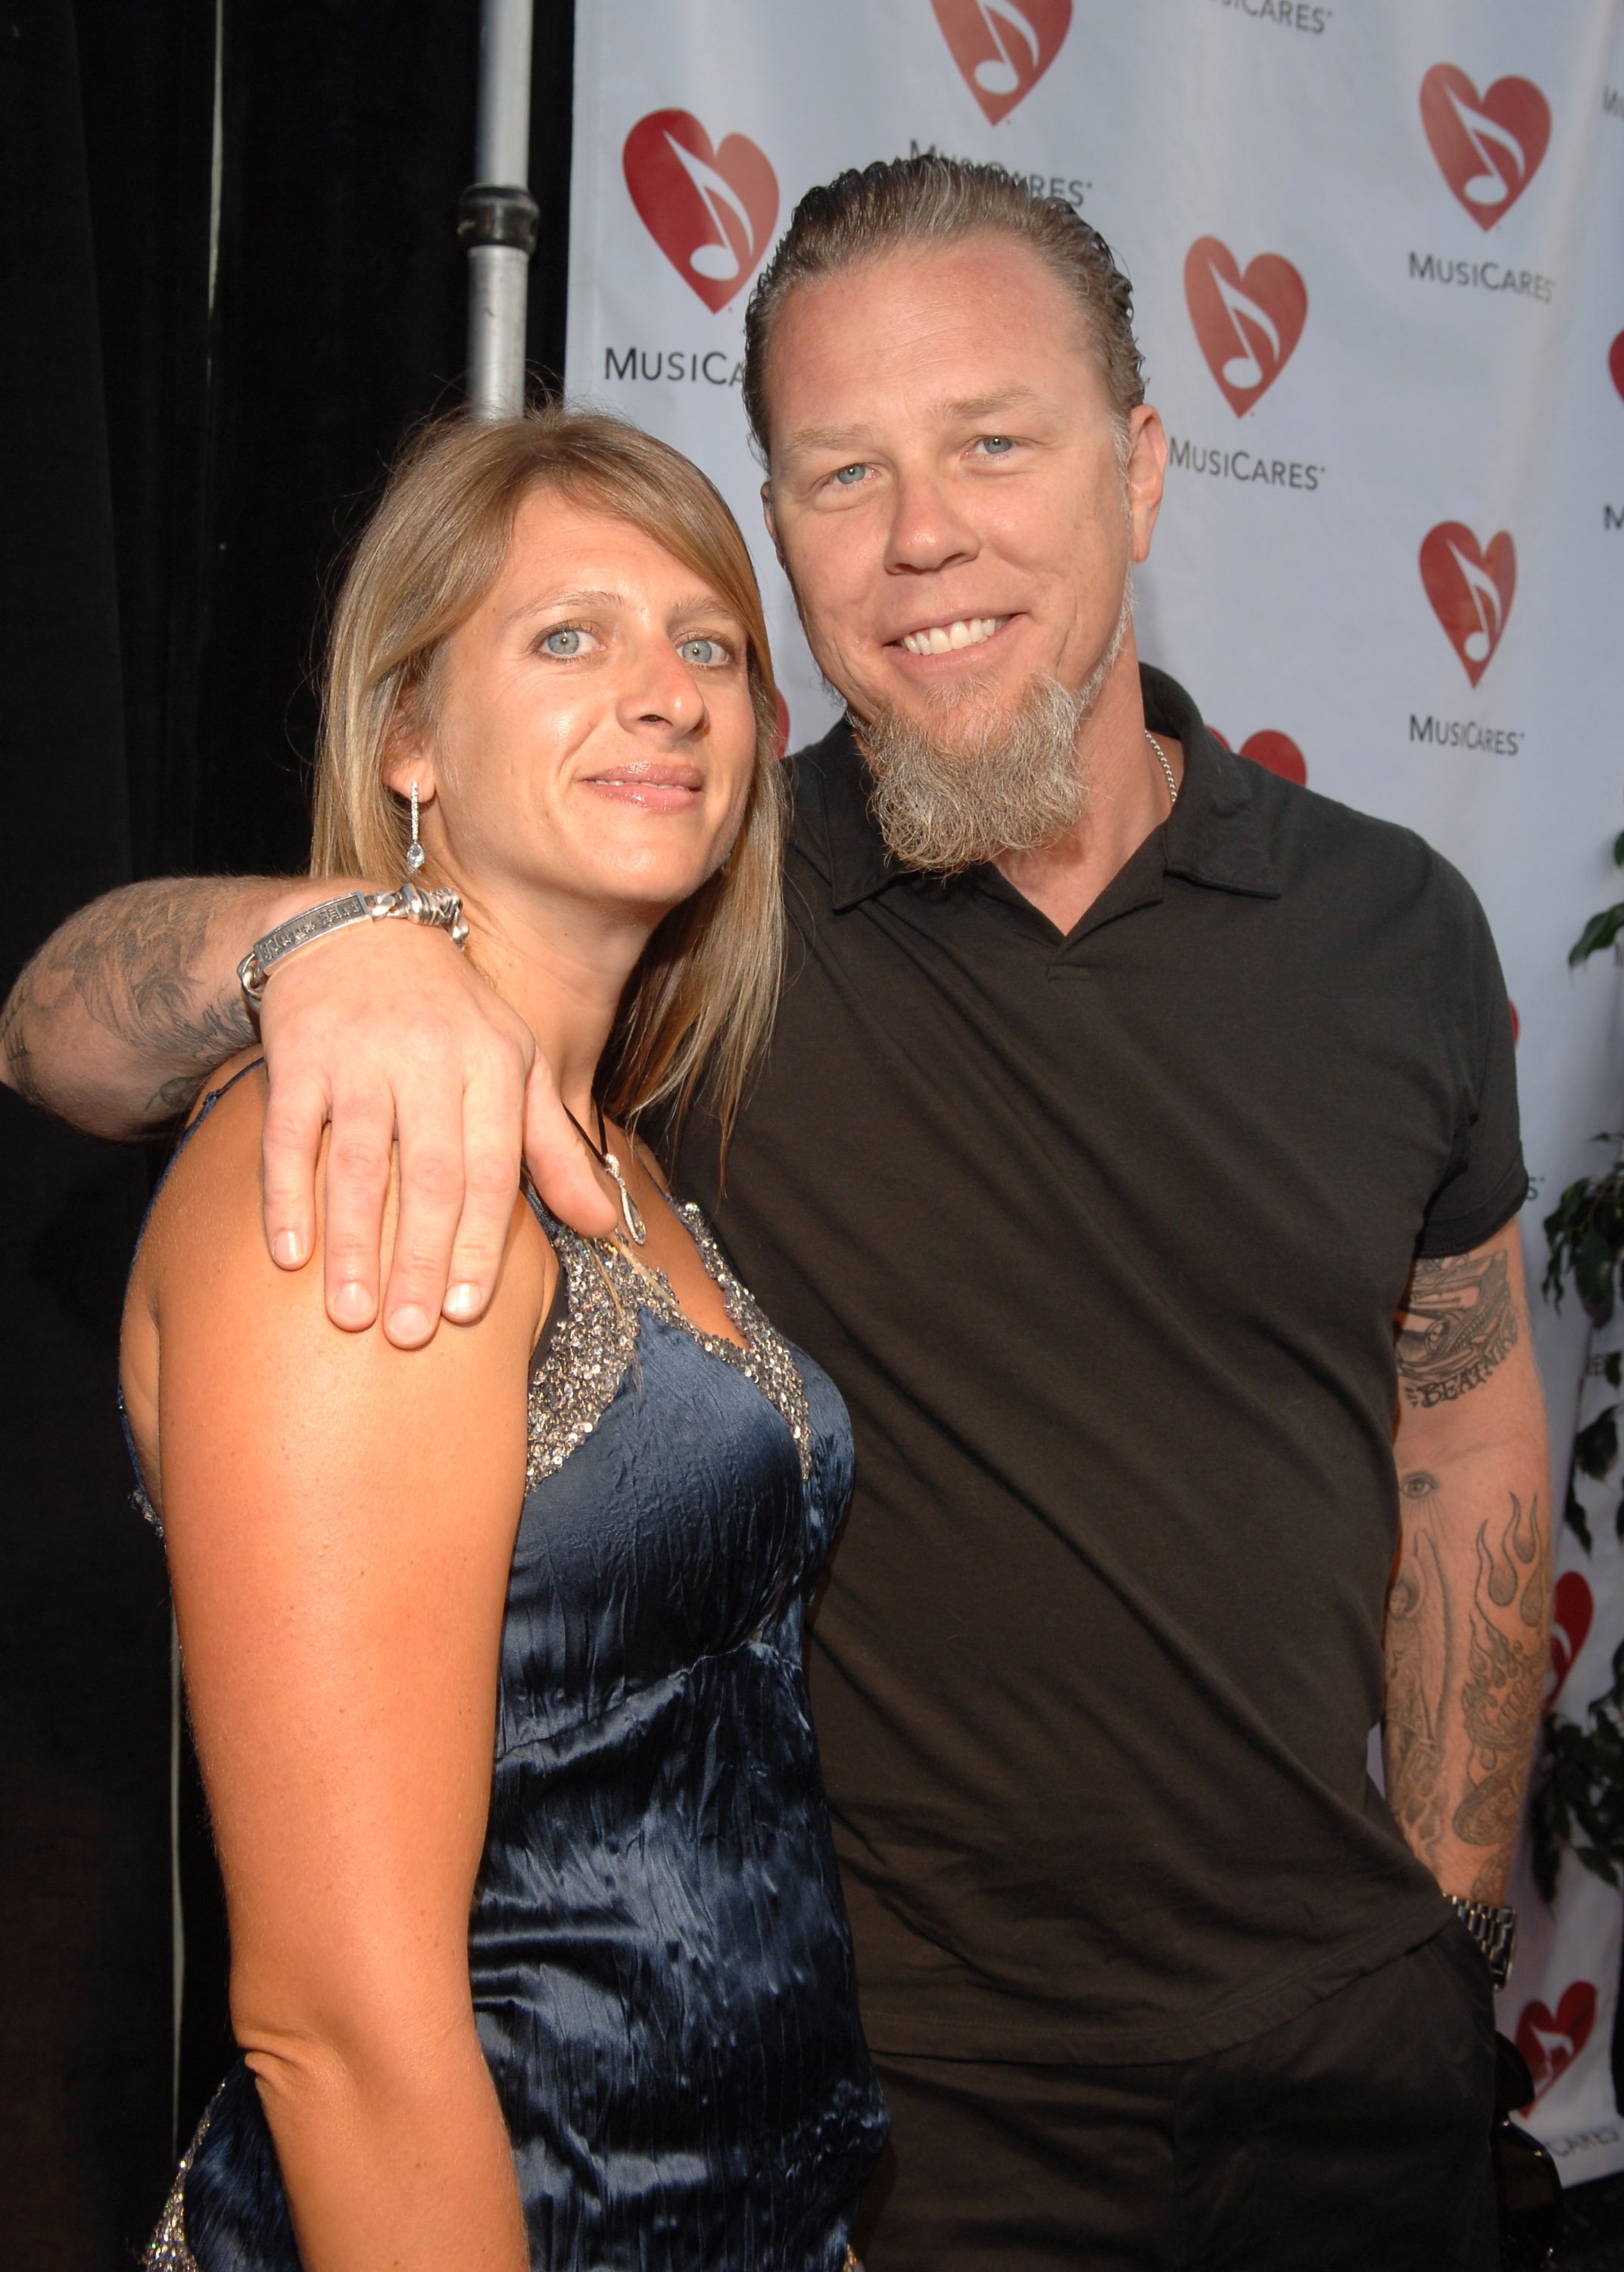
(1495, 1930)
(440, 909)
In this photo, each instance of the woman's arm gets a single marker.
(340, 1516)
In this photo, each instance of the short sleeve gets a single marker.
(1487, 1181)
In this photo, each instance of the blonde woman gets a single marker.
(592, 2006)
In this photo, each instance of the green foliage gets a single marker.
(1585, 1234)
(1578, 1796)
(1602, 929)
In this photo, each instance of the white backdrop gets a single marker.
(1378, 254)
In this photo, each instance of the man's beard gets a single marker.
(975, 779)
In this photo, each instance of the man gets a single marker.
(1120, 1096)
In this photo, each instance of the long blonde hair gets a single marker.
(700, 1003)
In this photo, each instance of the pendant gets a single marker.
(636, 1229)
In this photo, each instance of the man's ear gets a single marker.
(772, 526)
(1146, 474)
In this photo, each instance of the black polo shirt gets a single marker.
(1101, 1236)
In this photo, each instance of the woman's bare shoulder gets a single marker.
(205, 1241)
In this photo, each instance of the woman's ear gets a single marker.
(407, 755)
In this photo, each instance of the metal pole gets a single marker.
(496, 218)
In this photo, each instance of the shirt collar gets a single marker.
(1212, 836)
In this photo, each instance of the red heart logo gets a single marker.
(1003, 48)
(710, 210)
(1471, 586)
(1277, 753)
(1550, 2041)
(1572, 1609)
(1489, 146)
(1615, 362)
(1248, 325)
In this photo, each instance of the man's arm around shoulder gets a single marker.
(131, 1004)
(383, 1032)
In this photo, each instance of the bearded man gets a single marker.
(1139, 1137)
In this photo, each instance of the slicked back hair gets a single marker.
(930, 201)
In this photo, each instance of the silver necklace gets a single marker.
(630, 1214)
(1161, 759)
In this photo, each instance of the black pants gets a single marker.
(1352, 2139)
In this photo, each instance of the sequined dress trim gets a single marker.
(596, 1337)
(167, 2250)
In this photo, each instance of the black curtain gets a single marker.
(231, 282)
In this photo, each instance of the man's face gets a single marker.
(947, 489)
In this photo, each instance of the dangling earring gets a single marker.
(414, 850)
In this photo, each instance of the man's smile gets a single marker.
(949, 637)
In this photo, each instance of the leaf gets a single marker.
(1596, 1448)
(1593, 1262)
(1618, 851)
(1574, 1517)
(1612, 1368)
(1600, 932)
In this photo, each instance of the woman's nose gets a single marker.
(660, 690)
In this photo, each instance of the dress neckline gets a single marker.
(590, 1339)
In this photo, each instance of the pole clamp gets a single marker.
(489, 214)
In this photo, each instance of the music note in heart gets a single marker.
(1550, 2041)
(1489, 146)
(1003, 48)
(1248, 326)
(1572, 1611)
(1615, 362)
(1471, 586)
(710, 210)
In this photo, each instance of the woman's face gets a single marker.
(595, 739)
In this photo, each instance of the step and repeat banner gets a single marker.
(1377, 249)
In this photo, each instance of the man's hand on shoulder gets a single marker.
(393, 1036)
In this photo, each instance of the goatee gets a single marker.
(973, 778)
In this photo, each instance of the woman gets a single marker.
(596, 2007)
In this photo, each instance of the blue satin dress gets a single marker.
(660, 1963)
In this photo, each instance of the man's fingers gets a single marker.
(358, 1165)
(561, 1166)
(295, 1116)
(429, 1134)
(493, 1134)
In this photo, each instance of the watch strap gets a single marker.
(1493, 1929)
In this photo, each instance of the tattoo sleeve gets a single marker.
(118, 1014)
(1466, 1651)
(1459, 1322)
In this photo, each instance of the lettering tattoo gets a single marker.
(126, 962)
(1465, 1668)
(1458, 1323)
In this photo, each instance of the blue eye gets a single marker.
(996, 444)
(849, 476)
(564, 642)
(702, 653)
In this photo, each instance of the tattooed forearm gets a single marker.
(125, 1009)
(14, 1042)
(1505, 1672)
(1458, 1321)
(1466, 1641)
(1421, 1673)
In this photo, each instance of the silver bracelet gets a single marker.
(439, 908)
